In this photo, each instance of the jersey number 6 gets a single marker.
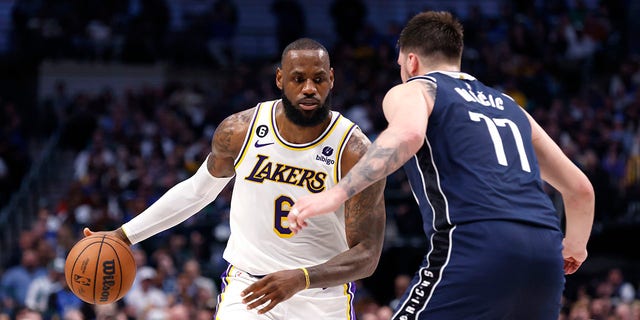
(280, 222)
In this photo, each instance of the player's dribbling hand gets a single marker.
(118, 233)
(313, 205)
(273, 289)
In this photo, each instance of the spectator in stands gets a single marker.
(579, 311)
(180, 312)
(622, 290)
(600, 308)
(198, 283)
(15, 282)
(41, 290)
(27, 239)
(623, 311)
(146, 301)
(167, 271)
(141, 259)
(400, 285)
(108, 311)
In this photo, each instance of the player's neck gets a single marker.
(439, 67)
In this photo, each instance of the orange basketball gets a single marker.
(100, 269)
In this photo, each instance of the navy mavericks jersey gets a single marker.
(477, 162)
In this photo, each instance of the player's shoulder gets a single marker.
(230, 133)
(237, 123)
(409, 87)
(407, 94)
(357, 144)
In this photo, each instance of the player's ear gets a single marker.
(331, 77)
(413, 64)
(279, 78)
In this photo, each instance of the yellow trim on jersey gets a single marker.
(337, 170)
(322, 138)
(222, 294)
(346, 293)
(248, 138)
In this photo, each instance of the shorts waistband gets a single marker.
(247, 273)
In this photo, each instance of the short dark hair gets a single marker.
(303, 44)
(432, 33)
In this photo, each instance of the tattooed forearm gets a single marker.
(364, 212)
(399, 142)
(384, 156)
(364, 216)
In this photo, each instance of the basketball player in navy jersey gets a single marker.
(279, 151)
(476, 162)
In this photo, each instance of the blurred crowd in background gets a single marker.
(573, 65)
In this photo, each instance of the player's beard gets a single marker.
(308, 119)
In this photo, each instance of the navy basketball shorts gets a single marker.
(488, 270)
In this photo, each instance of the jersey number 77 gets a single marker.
(492, 125)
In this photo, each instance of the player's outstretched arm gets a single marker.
(407, 108)
(577, 195)
(364, 227)
(191, 195)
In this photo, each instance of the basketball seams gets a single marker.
(95, 271)
(78, 256)
(109, 250)
(127, 249)
(124, 245)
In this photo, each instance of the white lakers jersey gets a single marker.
(271, 174)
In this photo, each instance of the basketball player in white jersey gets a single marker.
(279, 151)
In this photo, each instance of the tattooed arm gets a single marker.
(407, 108)
(226, 143)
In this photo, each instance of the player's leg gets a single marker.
(487, 271)
(230, 306)
(334, 303)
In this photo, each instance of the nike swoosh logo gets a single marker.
(260, 145)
